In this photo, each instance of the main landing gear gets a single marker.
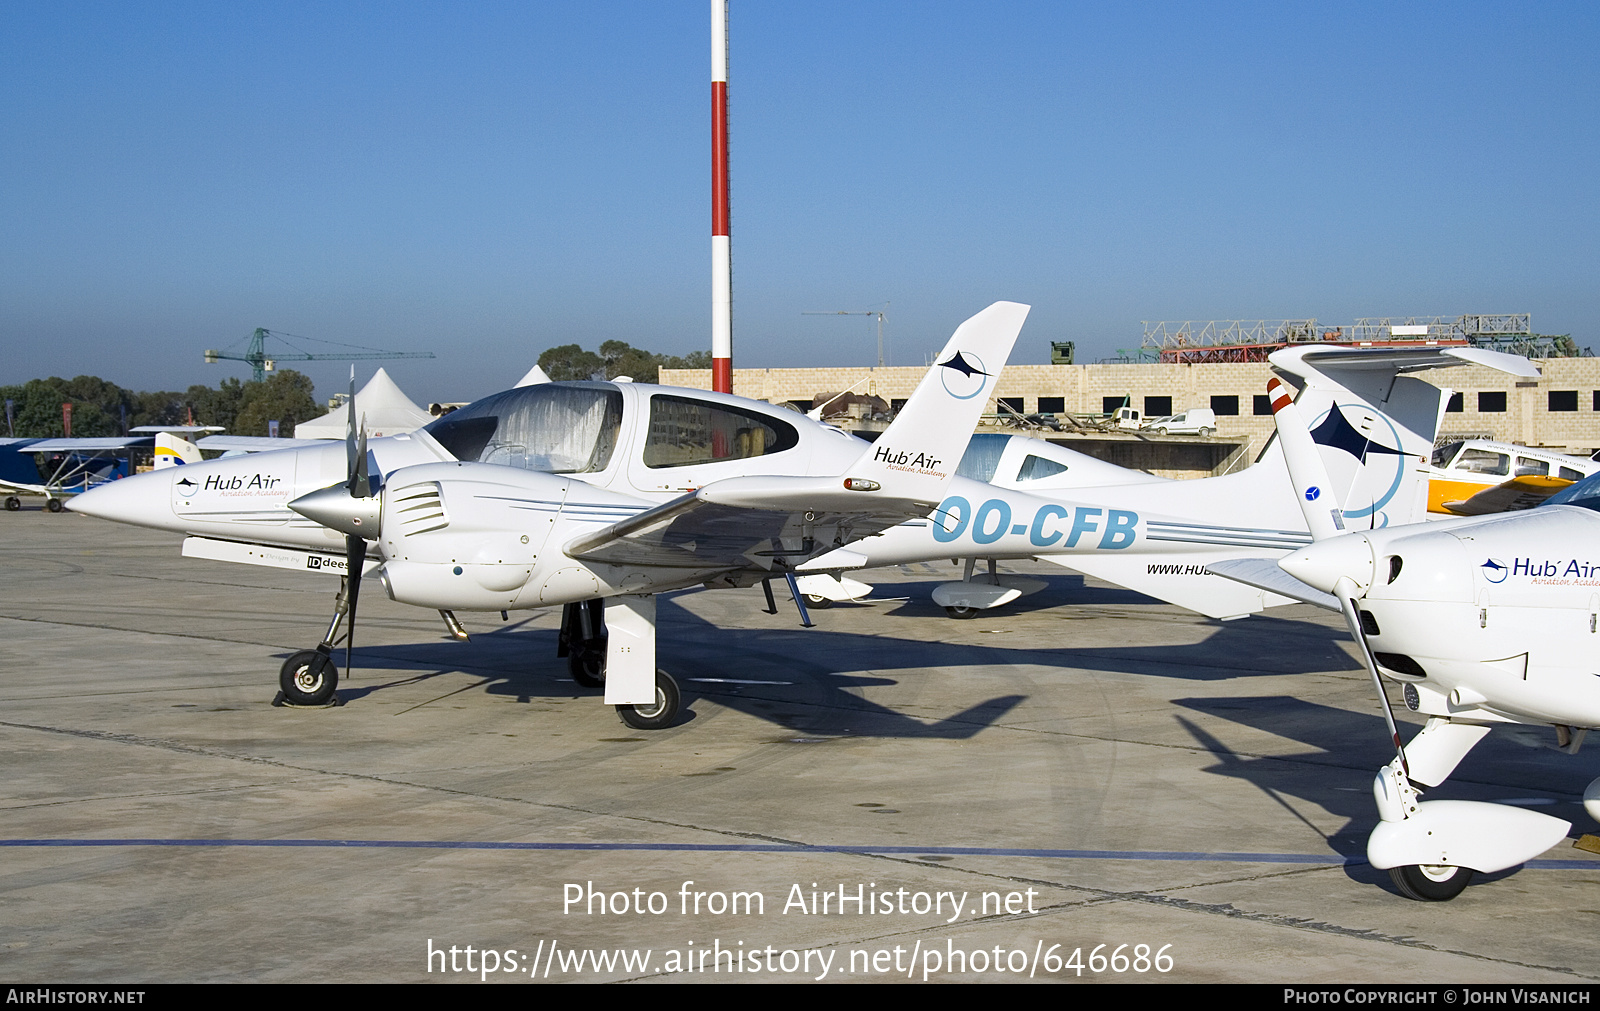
(584, 641)
(1430, 884)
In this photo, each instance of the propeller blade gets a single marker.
(350, 428)
(1346, 590)
(360, 484)
(355, 556)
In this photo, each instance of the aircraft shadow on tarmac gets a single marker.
(802, 679)
(1348, 748)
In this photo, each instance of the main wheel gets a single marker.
(308, 678)
(817, 602)
(962, 612)
(586, 662)
(662, 713)
(1430, 883)
(52, 504)
(13, 503)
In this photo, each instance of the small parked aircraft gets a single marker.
(60, 468)
(1475, 477)
(594, 496)
(1484, 621)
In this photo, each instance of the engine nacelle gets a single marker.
(465, 536)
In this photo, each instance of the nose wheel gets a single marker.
(662, 713)
(308, 678)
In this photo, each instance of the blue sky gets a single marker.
(486, 180)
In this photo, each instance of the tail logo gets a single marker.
(1313, 493)
(963, 375)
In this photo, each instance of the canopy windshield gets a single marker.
(556, 428)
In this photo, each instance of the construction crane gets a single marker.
(880, 313)
(261, 363)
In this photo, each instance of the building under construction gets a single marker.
(1234, 341)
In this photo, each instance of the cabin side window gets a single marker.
(1036, 468)
(685, 432)
(1481, 461)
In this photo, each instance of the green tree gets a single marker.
(623, 359)
(616, 358)
(165, 408)
(569, 362)
(215, 407)
(285, 397)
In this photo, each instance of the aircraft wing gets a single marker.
(771, 521)
(104, 445)
(746, 522)
(1523, 492)
(177, 429)
(256, 443)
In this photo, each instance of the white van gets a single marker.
(1200, 421)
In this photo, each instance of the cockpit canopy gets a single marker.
(573, 428)
(556, 428)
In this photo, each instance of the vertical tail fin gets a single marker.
(917, 455)
(175, 451)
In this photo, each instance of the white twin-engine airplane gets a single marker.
(576, 494)
(1375, 428)
(1485, 621)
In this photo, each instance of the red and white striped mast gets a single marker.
(721, 243)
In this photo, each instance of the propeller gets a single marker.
(355, 547)
(1320, 505)
(352, 509)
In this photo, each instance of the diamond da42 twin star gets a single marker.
(593, 496)
(1485, 621)
(1374, 429)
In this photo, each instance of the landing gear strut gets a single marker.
(583, 641)
(309, 677)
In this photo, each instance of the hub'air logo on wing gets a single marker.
(963, 375)
(1494, 570)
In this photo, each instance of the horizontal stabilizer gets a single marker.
(1182, 579)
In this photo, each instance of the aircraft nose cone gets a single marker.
(144, 500)
(1321, 564)
(335, 508)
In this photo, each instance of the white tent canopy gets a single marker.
(387, 412)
